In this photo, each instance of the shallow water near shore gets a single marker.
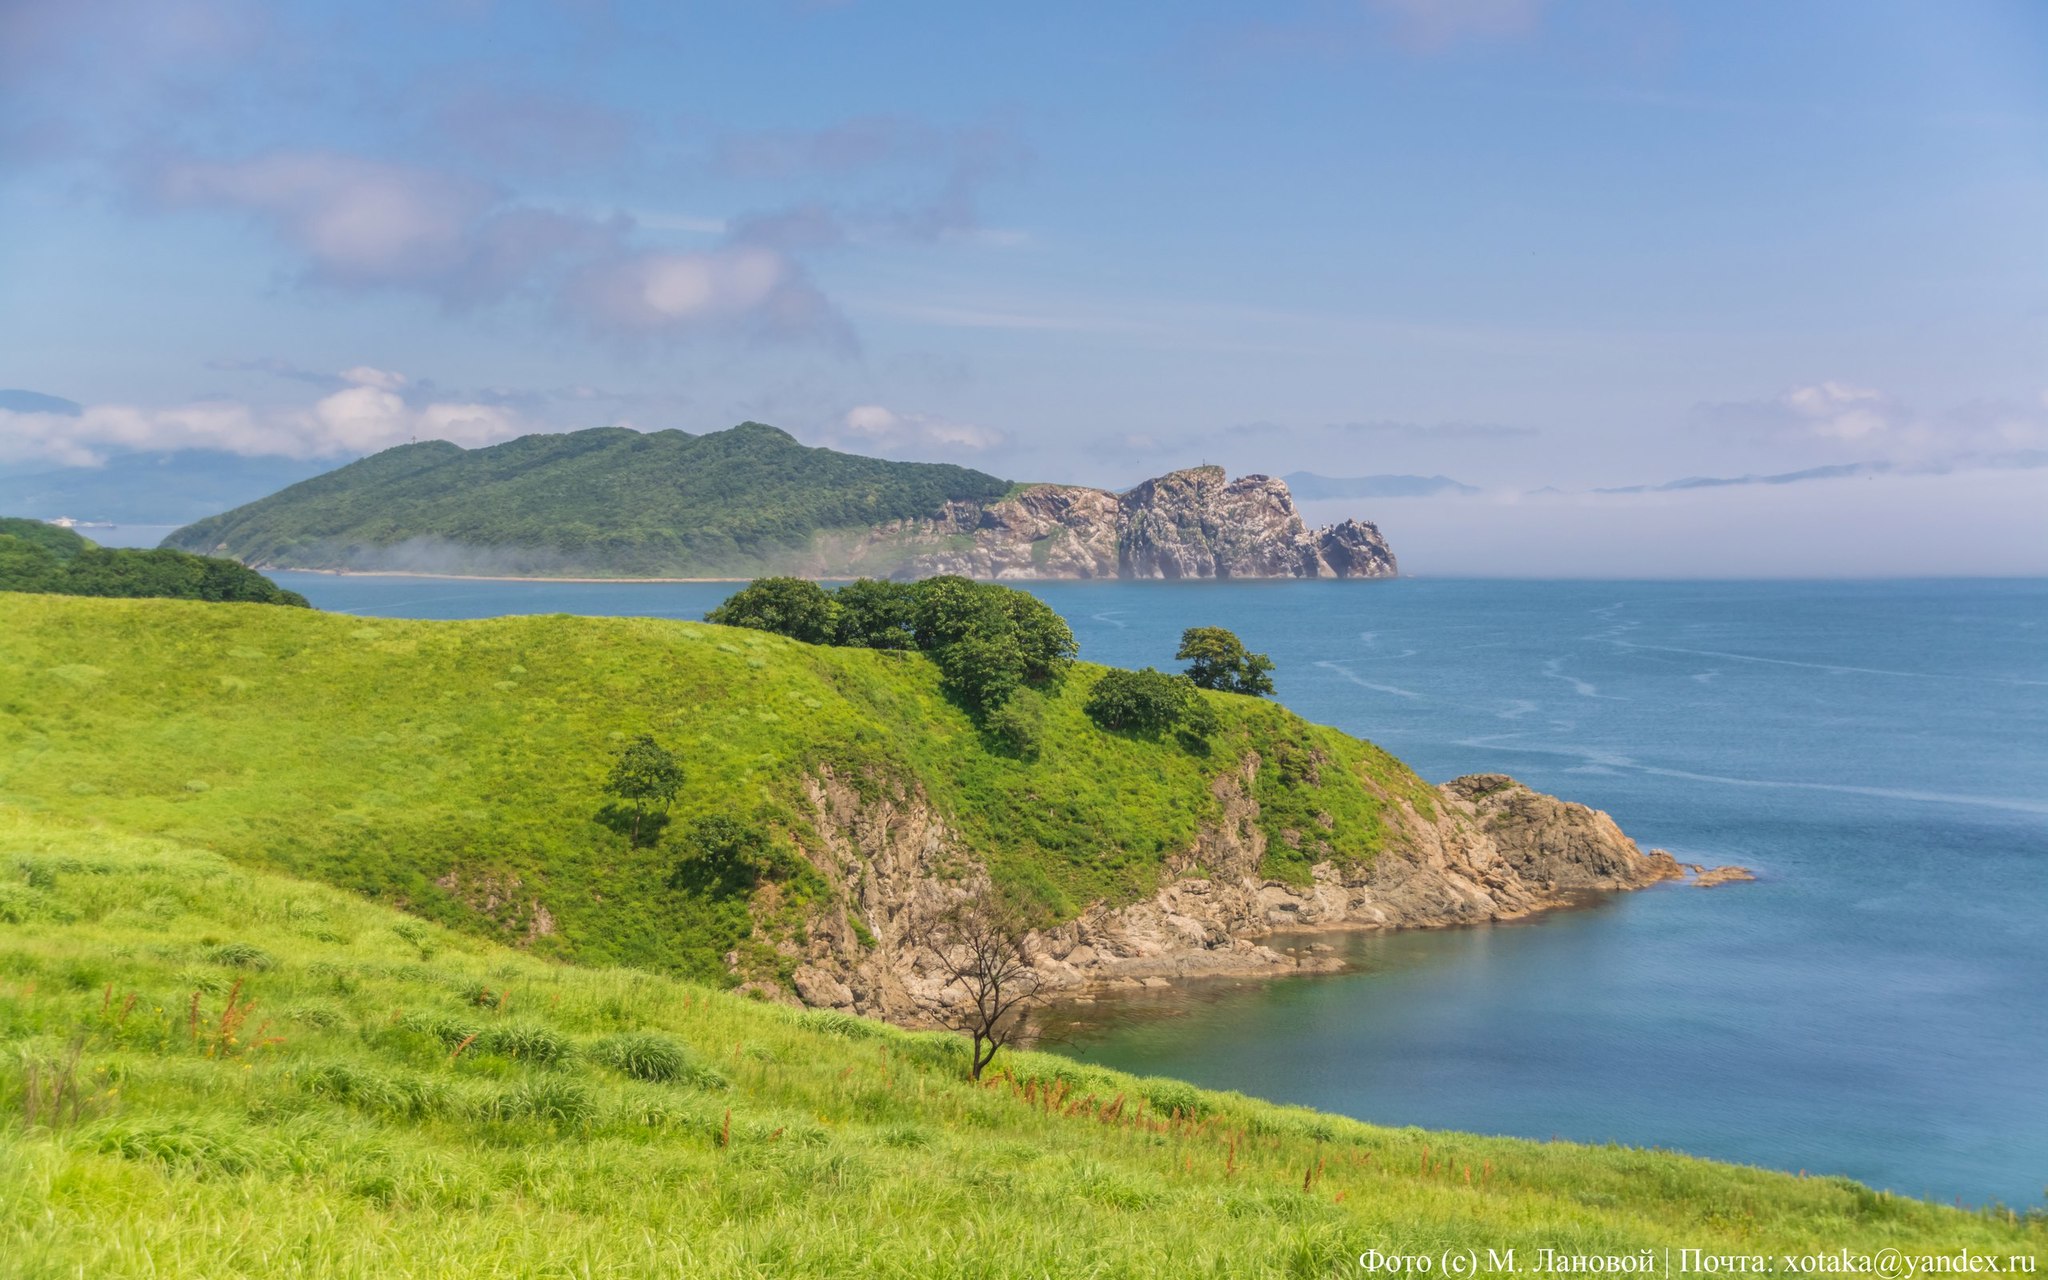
(1878, 751)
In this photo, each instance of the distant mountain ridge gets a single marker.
(751, 500)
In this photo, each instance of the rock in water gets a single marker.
(1355, 549)
(1194, 523)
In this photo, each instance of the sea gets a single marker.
(1875, 1004)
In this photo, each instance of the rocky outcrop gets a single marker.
(1490, 849)
(1355, 549)
(1195, 523)
(1708, 877)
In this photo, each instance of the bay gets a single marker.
(1877, 751)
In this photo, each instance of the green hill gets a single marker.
(214, 1064)
(608, 502)
(44, 558)
(440, 764)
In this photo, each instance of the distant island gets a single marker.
(616, 503)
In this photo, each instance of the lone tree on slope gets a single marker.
(978, 945)
(1217, 659)
(646, 777)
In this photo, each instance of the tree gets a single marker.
(793, 607)
(1043, 637)
(949, 607)
(979, 946)
(1146, 701)
(646, 777)
(25, 566)
(989, 640)
(875, 614)
(1217, 659)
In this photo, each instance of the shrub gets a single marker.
(20, 904)
(556, 1100)
(240, 955)
(834, 1023)
(1174, 1098)
(982, 670)
(1148, 702)
(643, 1055)
(793, 607)
(203, 1144)
(1019, 724)
(526, 1042)
(738, 853)
(450, 1031)
(318, 1015)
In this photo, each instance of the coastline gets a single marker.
(476, 577)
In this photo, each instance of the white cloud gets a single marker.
(357, 219)
(1839, 411)
(364, 223)
(364, 416)
(1835, 418)
(363, 375)
(745, 285)
(876, 426)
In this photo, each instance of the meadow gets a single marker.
(247, 1029)
(400, 758)
(212, 1070)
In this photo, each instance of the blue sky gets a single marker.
(1570, 244)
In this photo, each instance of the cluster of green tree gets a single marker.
(1152, 702)
(995, 647)
(604, 501)
(998, 648)
(41, 557)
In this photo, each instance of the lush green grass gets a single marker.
(607, 501)
(442, 765)
(387, 1098)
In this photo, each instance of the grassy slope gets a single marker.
(379, 755)
(605, 501)
(333, 1133)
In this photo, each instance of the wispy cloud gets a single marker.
(358, 223)
(928, 180)
(870, 427)
(1831, 415)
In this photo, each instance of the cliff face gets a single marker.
(1491, 850)
(1195, 523)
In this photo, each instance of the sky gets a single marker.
(1548, 248)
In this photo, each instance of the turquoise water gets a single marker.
(1876, 1005)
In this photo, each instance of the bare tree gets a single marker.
(979, 945)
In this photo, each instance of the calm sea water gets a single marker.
(1876, 1005)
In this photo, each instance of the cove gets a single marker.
(1876, 751)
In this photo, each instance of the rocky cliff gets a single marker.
(1489, 849)
(1195, 523)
